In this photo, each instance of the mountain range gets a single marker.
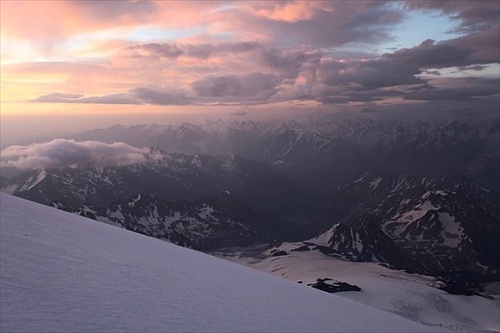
(323, 153)
(177, 197)
(412, 195)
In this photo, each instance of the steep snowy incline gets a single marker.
(63, 273)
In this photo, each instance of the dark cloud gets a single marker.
(254, 87)
(109, 99)
(200, 51)
(430, 55)
(61, 153)
(446, 94)
(344, 95)
(425, 86)
(158, 50)
(474, 49)
(404, 66)
(204, 51)
(332, 23)
(371, 74)
(469, 88)
(482, 47)
(286, 62)
(159, 97)
(473, 15)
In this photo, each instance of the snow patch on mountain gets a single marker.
(325, 239)
(418, 212)
(452, 230)
(196, 161)
(374, 183)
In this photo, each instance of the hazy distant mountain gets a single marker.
(326, 152)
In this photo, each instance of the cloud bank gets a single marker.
(177, 53)
(60, 153)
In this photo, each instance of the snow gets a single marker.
(360, 178)
(400, 184)
(452, 231)
(375, 183)
(205, 211)
(63, 273)
(229, 162)
(132, 204)
(359, 244)
(39, 177)
(417, 213)
(196, 161)
(325, 238)
(412, 296)
(117, 215)
(28, 184)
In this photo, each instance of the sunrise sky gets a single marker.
(104, 61)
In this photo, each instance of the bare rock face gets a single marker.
(332, 286)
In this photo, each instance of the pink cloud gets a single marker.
(245, 52)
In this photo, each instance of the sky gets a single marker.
(71, 64)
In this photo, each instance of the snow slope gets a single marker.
(64, 273)
(409, 295)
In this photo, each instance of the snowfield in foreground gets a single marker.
(64, 273)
